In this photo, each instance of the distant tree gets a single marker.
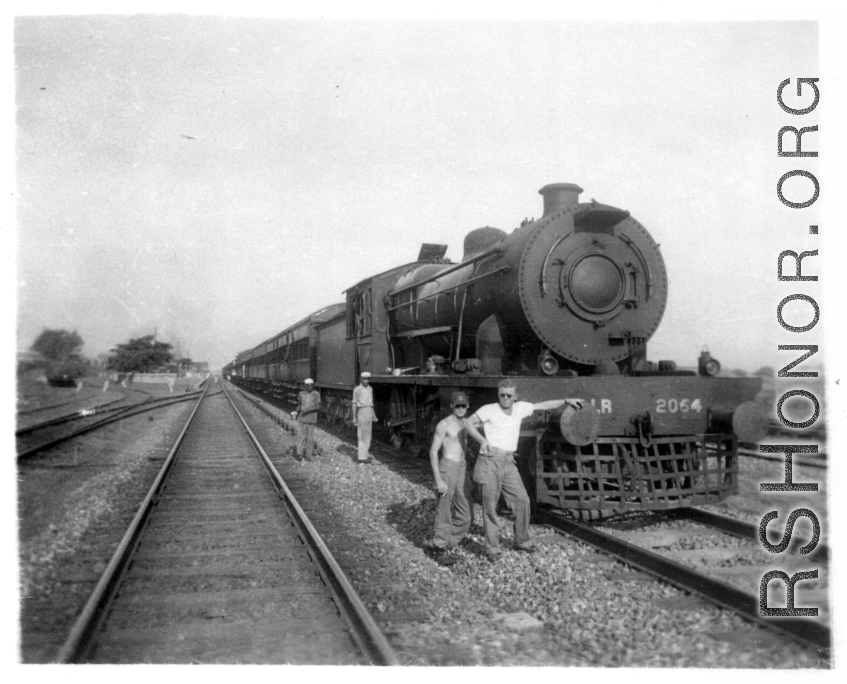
(140, 354)
(765, 372)
(739, 373)
(58, 345)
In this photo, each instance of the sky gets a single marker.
(214, 179)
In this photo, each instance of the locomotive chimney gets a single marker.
(559, 196)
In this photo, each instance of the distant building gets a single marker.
(28, 360)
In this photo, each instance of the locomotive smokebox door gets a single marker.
(592, 270)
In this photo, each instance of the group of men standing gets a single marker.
(495, 472)
(306, 415)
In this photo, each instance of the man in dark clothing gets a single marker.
(454, 514)
(306, 414)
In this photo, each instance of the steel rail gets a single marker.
(749, 453)
(739, 528)
(125, 394)
(102, 410)
(124, 412)
(807, 630)
(367, 634)
(81, 638)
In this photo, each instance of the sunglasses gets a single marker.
(507, 396)
(464, 406)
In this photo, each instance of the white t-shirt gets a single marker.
(503, 430)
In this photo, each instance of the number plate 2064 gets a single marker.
(678, 405)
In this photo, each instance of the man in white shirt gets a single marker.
(363, 416)
(495, 470)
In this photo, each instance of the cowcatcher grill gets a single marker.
(620, 474)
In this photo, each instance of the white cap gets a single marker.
(309, 381)
(366, 374)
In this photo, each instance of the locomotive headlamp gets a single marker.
(707, 366)
(547, 364)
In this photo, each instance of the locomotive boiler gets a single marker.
(578, 292)
(565, 306)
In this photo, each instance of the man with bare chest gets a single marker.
(453, 516)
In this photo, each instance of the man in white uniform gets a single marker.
(495, 470)
(363, 416)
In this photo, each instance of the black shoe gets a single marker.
(367, 460)
(528, 547)
(443, 556)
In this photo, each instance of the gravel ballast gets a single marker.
(565, 605)
(75, 503)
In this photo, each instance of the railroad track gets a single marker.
(818, 461)
(86, 400)
(42, 436)
(722, 593)
(33, 419)
(220, 564)
(716, 591)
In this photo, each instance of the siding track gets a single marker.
(806, 631)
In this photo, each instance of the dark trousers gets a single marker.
(496, 474)
(454, 515)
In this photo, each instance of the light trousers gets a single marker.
(364, 423)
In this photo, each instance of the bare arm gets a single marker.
(471, 425)
(440, 431)
(556, 403)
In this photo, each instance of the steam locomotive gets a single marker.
(564, 305)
